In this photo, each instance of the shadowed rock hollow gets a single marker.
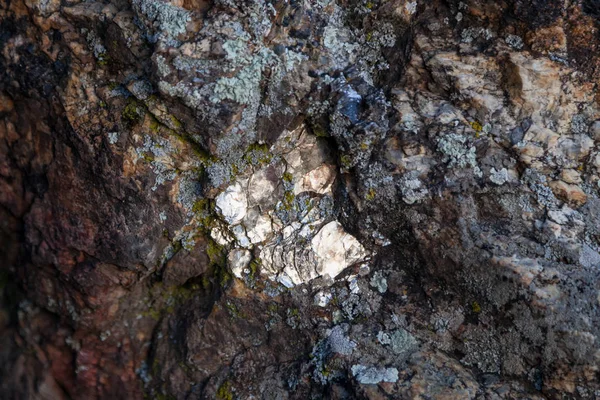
(320, 199)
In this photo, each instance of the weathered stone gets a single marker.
(318, 180)
(186, 264)
(232, 203)
(238, 260)
(570, 193)
(263, 187)
(570, 176)
(335, 249)
(595, 130)
(259, 229)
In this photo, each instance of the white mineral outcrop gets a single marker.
(232, 203)
(238, 259)
(336, 249)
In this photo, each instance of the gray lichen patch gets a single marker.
(499, 177)
(413, 190)
(379, 282)
(458, 152)
(158, 151)
(402, 342)
(514, 41)
(163, 16)
(243, 88)
(113, 137)
(372, 375)
(339, 343)
(338, 40)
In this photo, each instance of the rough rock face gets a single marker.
(299, 199)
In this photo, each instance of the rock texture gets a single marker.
(270, 199)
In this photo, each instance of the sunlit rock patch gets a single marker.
(284, 213)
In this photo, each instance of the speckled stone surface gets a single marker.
(320, 199)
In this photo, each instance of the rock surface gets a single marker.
(299, 199)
